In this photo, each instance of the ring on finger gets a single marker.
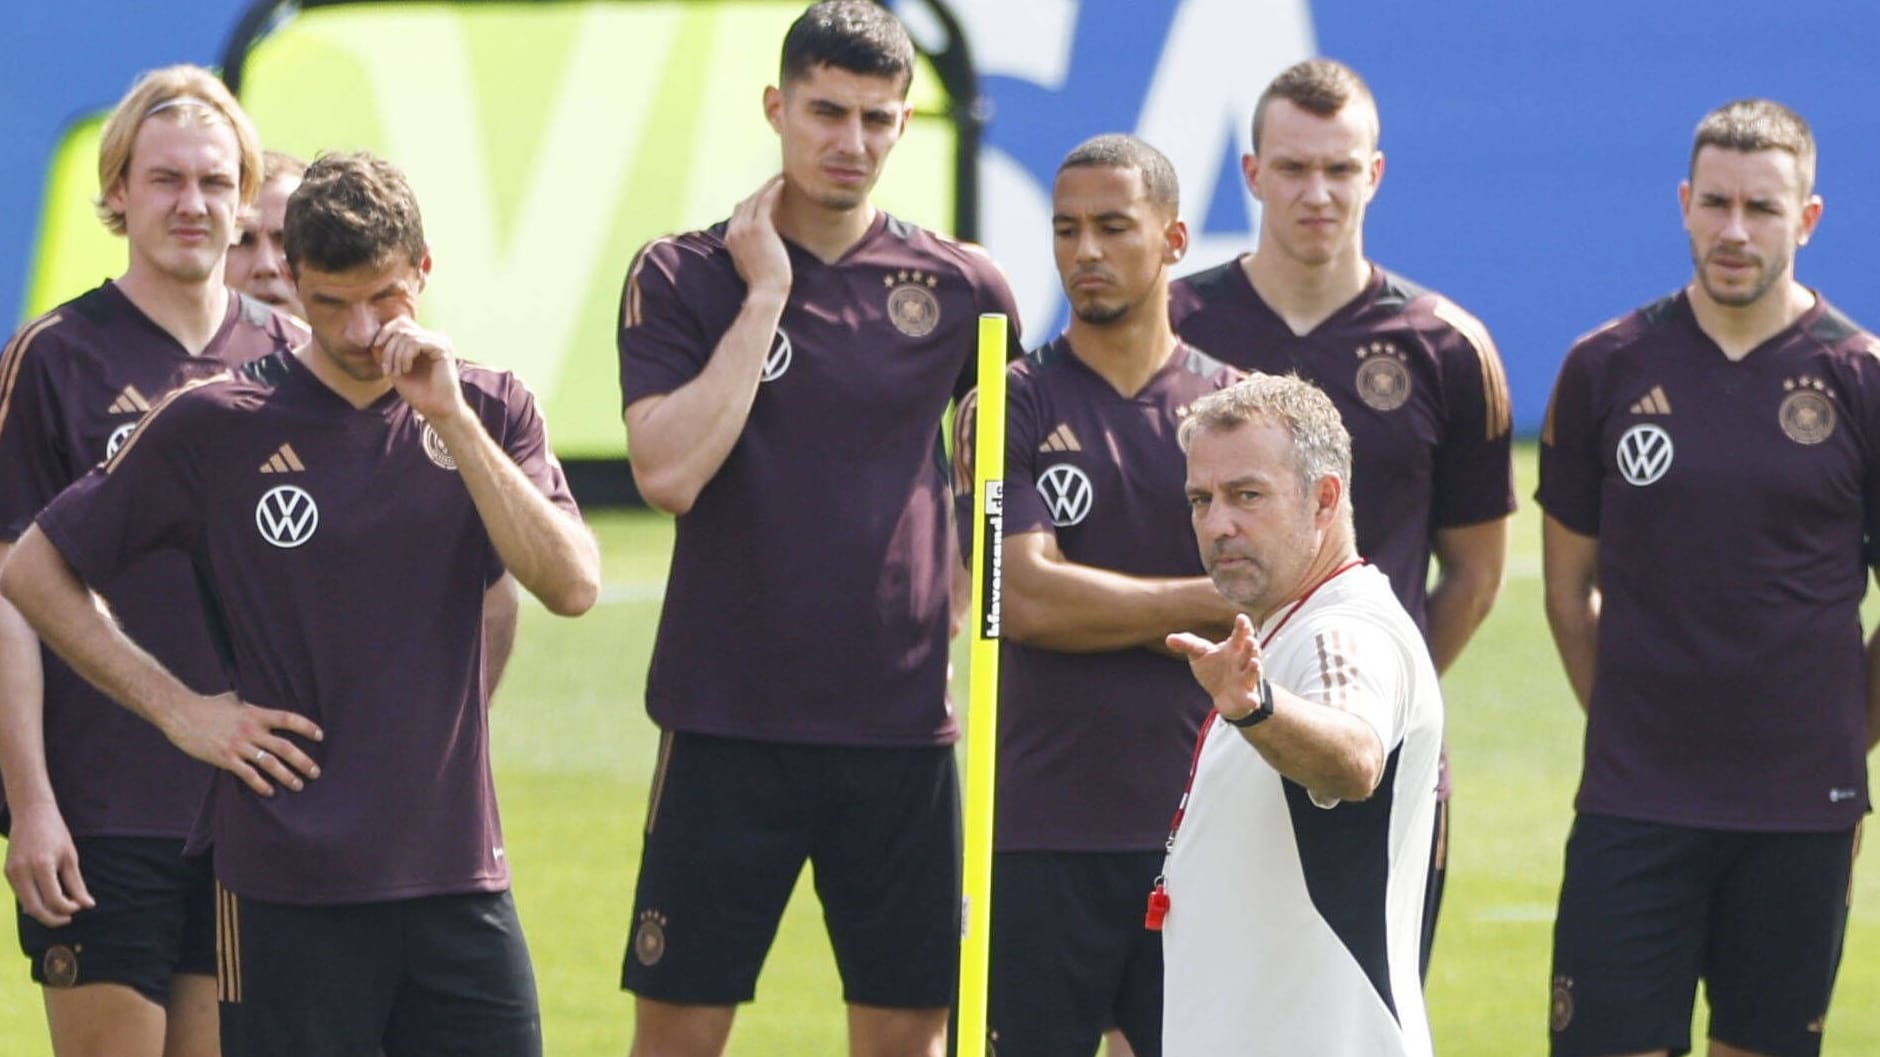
(260, 755)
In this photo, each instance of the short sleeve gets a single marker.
(1023, 509)
(33, 464)
(525, 440)
(661, 341)
(1869, 381)
(1024, 506)
(994, 295)
(1570, 471)
(147, 497)
(1473, 475)
(1355, 666)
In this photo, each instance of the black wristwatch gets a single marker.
(1259, 715)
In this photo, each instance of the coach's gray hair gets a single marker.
(1321, 445)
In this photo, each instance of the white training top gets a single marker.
(1293, 926)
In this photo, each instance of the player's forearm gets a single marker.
(1082, 609)
(1458, 604)
(1570, 576)
(500, 605)
(1573, 617)
(1329, 751)
(1470, 560)
(547, 550)
(67, 617)
(677, 442)
(22, 712)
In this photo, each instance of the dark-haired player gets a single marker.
(1417, 379)
(784, 377)
(257, 266)
(1096, 718)
(1713, 495)
(117, 924)
(344, 508)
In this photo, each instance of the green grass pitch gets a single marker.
(574, 752)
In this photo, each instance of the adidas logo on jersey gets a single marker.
(129, 402)
(283, 461)
(1061, 439)
(1653, 403)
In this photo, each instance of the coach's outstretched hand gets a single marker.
(1228, 670)
(241, 738)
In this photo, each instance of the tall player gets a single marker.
(1096, 718)
(784, 376)
(117, 924)
(1713, 497)
(344, 507)
(1417, 379)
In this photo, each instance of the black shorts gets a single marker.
(1646, 910)
(437, 974)
(1070, 956)
(154, 918)
(729, 825)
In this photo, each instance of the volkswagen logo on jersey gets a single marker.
(117, 438)
(1067, 494)
(1644, 454)
(779, 359)
(287, 516)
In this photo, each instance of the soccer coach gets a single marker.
(1296, 868)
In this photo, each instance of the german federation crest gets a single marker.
(1067, 493)
(1807, 413)
(1644, 454)
(912, 306)
(287, 516)
(1383, 379)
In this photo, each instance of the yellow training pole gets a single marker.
(982, 707)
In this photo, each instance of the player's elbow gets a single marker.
(579, 587)
(1021, 621)
(1033, 622)
(1569, 607)
(24, 571)
(572, 598)
(665, 490)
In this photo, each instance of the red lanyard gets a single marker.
(1158, 898)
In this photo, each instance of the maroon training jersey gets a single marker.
(346, 567)
(1734, 505)
(819, 553)
(1420, 388)
(1093, 747)
(72, 384)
